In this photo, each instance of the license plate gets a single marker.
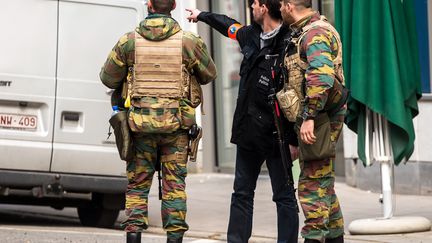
(17, 121)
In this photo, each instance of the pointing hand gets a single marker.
(193, 17)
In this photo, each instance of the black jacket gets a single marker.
(253, 125)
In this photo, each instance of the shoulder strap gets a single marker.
(322, 23)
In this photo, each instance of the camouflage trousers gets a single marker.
(172, 149)
(317, 195)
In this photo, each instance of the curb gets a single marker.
(221, 236)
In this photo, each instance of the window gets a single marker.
(423, 31)
(326, 7)
(228, 59)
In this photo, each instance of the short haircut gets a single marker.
(274, 8)
(302, 3)
(163, 6)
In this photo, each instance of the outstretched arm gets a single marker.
(225, 25)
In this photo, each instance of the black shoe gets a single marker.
(339, 239)
(133, 237)
(311, 241)
(171, 240)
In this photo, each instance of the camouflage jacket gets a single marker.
(157, 27)
(318, 48)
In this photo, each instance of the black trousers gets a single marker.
(248, 167)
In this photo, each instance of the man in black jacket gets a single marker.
(254, 126)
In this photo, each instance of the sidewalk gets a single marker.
(209, 201)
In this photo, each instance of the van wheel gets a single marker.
(96, 216)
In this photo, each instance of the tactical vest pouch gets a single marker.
(192, 91)
(291, 96)
(337, 98)
(187, 115)
(123, 135)
(290, 103)
(195, 92)
(324, 147)
(155, 115)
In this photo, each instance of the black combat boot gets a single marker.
(311, 241)
(133, 237)
(339, 239)
(174, 240)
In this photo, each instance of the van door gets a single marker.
(88, 30)
(27, 83)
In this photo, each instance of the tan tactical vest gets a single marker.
(163, 94)
(158, 70)
(292, 95)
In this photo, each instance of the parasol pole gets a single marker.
(378, 149)
(385, 158)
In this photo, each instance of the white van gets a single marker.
(54, 110)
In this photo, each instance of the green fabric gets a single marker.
(381, 67)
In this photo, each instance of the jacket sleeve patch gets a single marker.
(233, 29)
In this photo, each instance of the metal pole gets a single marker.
(376, 144)
(378, 148)
(385, 159)
(386, 178)
(377, 130)
(369, 149)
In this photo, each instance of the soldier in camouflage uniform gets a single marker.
(169, 147)
(319, 51)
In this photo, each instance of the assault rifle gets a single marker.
(287, 165)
